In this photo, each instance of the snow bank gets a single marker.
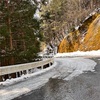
(79, 54)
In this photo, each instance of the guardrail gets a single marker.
(25, 67)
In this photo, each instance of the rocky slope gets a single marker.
(85, 37)
(92, 38)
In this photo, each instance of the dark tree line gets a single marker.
(20, 33)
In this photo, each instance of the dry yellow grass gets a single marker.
(73, 41)
(92, 38)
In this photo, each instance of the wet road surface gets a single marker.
(83, 87)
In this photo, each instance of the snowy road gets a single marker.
(86, 86)
(63, 68)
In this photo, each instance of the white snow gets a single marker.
(77, 27)
(36, 15)
(38, 0)
(79, 54)
(79, 66)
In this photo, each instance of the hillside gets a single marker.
(85, 37)
(61, 17)
(92, 38)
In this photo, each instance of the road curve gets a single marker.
(86, 86)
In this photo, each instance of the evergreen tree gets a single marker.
(19, 31)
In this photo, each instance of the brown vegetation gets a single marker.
(86, 38)
(92, 38)
(64, 15)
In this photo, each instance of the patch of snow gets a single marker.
(38, 0)
(79, 54)
(36, 15)
(77, 27)
(87, 17)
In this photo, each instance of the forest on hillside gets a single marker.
(21, 34)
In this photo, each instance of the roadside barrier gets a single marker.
(14, 71)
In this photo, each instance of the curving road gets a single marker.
(85, 86)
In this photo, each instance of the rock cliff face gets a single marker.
(84, 38)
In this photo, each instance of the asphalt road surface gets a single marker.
(83, 87)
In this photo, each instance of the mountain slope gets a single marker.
(92, 38)
(85, 37)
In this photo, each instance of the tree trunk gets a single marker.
(9, 31)
(24, 44)
(9, 26)
(10, 35)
